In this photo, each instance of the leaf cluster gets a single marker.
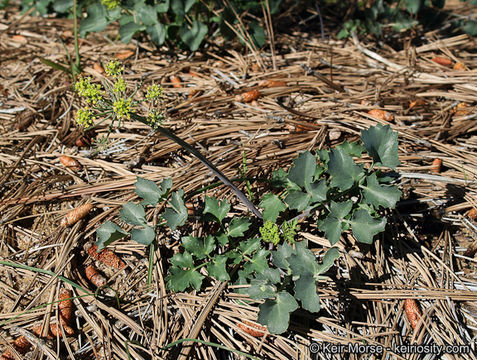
(280, 271)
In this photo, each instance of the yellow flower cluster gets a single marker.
(92, 92)
(154, 92)
(110, 4)
(122, 108)
(114, 68)
(84, 117)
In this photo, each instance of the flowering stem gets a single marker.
(204, 161)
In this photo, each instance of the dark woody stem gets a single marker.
(169, 134)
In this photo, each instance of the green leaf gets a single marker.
(95, 21)
(303, 170)
(148, 190)
(352, 148)
(177, 7)
(176, 215)
(382, 145)
(260, 289)
(108, 233)
(163, 6)
(178, 279)
(257, 33)
(380, 195)
(127, 31)
(305, 291)
(216, 208)
(270, 275)
(272, 206)
(133, 214)
(343, 170)
(470, 27)
(249, 246)
(193, 37)
(183, 260)
(145, 14)
(413, 6)
(438, 3)
(280, 257)
(328, 260)
(332, 225)
(217, 268)
(275, 314)
(279, 178)
(199, 248)
(222, 238)
(157, 32)
(317, 190)
(238, 226)
(302, 261)
(188, 5)
(258, 263)
(143, 236)
(364, 227)
(62, 6)
(297, 200)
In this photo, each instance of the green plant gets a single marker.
(281, 271)
(181, 22)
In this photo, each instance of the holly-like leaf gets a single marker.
(380, 195)
(128, 30)
(280, 257)
(305, 291)
(297, 200)
(176, 215)
(328, 260)
(352, 148)
(149, 191)
(382, 145)
(303, 170)
(272, 206)
(217, 268)
(344, 172)
(108, 233)
(333, 224)
(95, 21)
(183, 260)
(317, 190)
(249, 246)
(270, 275)
(157, 32)
(238, 226)
(178, 279)
(364, 227)
(145, 13)
(198, 247)
(258, 262)
(133, 214)
(260, 289)
(275, 314)
(216, 208)
(222, 238)
(193, 36)
(143, 236)
(302, 261)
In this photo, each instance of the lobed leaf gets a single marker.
(380, 195)
(272, 206)
(238, 226)
(216, 208)
(217, 268)
(143, 236)
(133, 214)
(382, 145)
(364, 226)
(108, 233)
(176, 215)
(303, 170)
(305, 291)
(275, 314)
(344, 172)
